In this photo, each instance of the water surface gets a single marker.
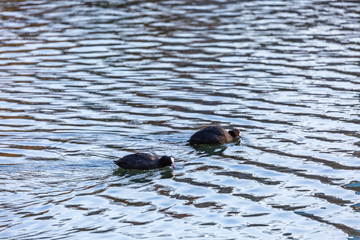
(83, 83)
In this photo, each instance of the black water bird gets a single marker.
(214, 135)
(144, 161)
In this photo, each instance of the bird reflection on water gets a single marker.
(142, 176)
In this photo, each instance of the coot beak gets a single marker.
(172, 162)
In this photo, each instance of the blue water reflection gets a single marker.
(83, 83)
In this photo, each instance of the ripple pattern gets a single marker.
(85, 82)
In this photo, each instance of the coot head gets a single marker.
(235, 133)
(165, 161)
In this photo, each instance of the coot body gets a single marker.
(144, 161)
(214, 135)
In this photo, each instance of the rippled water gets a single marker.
(83, 83)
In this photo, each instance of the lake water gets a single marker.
(83, 83)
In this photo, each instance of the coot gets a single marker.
(144, 161)
(214, 135)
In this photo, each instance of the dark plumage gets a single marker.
(214, 135)
(144, 161)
